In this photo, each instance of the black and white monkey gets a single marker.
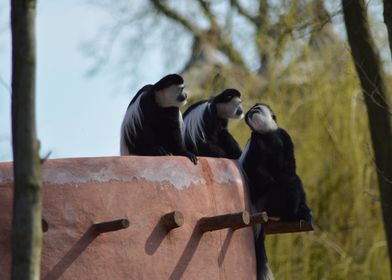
(153, 124)
(206, 131)
(268, 163)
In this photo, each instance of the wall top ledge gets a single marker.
(178, 171)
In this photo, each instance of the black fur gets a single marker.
(269, 167)
(217, 140)
(160, 132)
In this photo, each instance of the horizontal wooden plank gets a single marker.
(287, 227)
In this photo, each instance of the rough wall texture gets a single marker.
(83, 191)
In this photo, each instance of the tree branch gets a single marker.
(211, 17)
(173, 15)
(388, 20)
(241, 11)
(224, 43)
(226, 46)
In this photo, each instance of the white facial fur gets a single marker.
(262, 121)
(168, 97)
(228, 110)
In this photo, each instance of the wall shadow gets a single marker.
(156, 237)
(225, 246)
(72, 254)
(187, 254)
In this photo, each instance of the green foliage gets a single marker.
(324, 112)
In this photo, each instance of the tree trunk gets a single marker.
(388, 20)
(26, 223)
(370, 73)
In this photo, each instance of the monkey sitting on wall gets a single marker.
(206, 131)
(153, 124)
(268, 163)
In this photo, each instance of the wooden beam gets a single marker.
(287, 227)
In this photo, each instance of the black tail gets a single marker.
(263, 270)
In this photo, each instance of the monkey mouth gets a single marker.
(239, 114)
(252, 112)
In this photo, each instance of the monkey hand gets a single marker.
(192, 157)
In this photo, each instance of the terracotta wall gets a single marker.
(82, 191)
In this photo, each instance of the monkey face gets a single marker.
(231, 109)
(173, 96)
(261, 118)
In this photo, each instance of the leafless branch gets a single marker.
(172, 14)
(208, 13)
(241, 11)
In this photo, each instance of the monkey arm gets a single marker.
(303, 211)
(229, 144)
(289, 165)
(151, 148)
(148, 144)
(264, 176)
(178, 144)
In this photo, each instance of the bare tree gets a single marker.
(388, 20)
(371, 76)
(26, 224)
(254, 36)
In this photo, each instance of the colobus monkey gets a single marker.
(269, 166)
(206, 131)
(153, 124)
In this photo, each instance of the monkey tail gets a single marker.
(263, 270)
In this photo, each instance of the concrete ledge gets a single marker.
(82, 191)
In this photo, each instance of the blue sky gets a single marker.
(77, 116)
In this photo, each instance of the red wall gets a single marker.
(82, 191)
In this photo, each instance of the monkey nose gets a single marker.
(182, 97)
(239, 112)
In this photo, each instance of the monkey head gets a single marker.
(169, 91)
(261, 118)
(228, 104)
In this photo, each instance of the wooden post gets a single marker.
(27, 203)
(233, 221)
(173, 220)
(111, 226)
(287, 227)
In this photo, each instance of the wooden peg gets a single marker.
(173, 220)
(258, 218)
(233, 221)
(111, 225)
(273, 219)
